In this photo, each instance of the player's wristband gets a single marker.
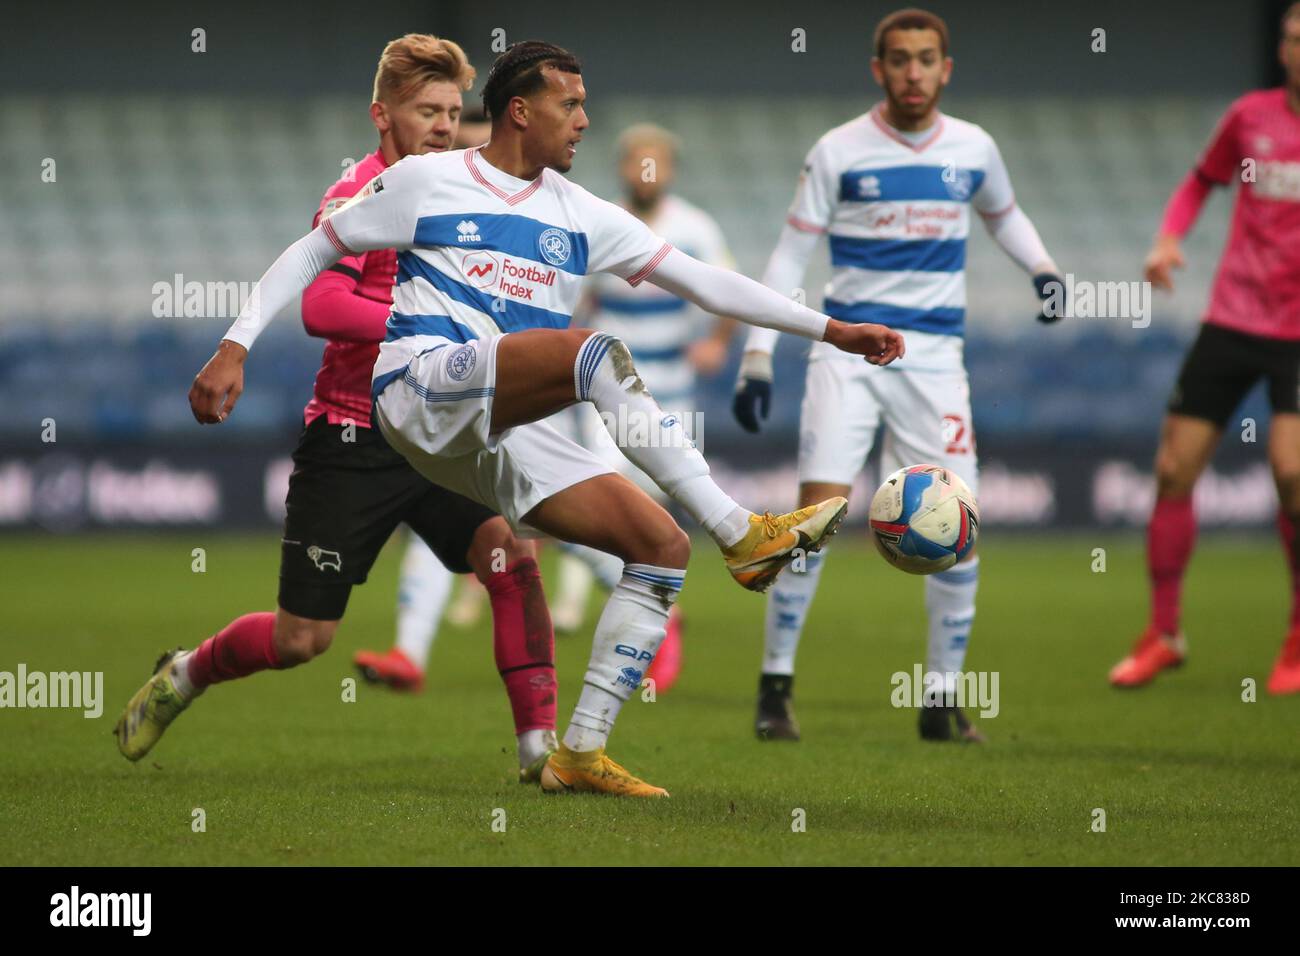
(755, 365)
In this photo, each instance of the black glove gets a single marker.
(753, 390)
(752, 402)
(1051, 291)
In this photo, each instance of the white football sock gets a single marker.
(653, 440)
(422, 592)
(534, 743)
(181, 675)
(950, 605)
(787, 609)
(630, 630)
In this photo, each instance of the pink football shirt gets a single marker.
(348, 305)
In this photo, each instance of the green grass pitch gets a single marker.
(288, 773)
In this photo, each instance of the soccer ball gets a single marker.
(924, 519)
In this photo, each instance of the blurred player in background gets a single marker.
(424, 583)
(664, 333)
(349, 490)
(1251, 331)
(893, 190)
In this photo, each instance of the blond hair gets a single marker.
(409, 62)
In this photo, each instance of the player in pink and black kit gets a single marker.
(349, 490)
(1251, 331)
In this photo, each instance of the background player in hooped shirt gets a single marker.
(349, 490)
(893, 191)
(672, 342)
(492, 247)
(1251, 332)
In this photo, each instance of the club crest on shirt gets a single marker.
(461, 362)
(554, 246)
(958, 183)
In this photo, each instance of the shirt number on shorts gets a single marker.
(956, 435)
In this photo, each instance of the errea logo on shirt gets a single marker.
(869, 187)
(468, 230)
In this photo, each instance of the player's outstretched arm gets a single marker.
(784, 274)
(728, 293)
(381, 216)
(217, 387)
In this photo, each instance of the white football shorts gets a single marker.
(438, 416)
(923, 401)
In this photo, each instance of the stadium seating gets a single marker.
(211, 189)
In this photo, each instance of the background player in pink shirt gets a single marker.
(1251, 331)
(349, 490)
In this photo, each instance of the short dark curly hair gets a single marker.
(518, 72)
(911, 19)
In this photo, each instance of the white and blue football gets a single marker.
(924, 519)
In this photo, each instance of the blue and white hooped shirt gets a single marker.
(481, 253)
(897, 216)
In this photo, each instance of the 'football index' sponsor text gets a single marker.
(83, 690)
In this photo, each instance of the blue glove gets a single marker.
(753, 400)
(1045, 283)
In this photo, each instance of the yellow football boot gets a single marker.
(773, 541)
(150, 711)
(568, 771)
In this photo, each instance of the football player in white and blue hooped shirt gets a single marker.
(492, 245)
(672, 340)
(893, 191)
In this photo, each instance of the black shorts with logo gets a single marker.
(1224, 364)
(345, 500)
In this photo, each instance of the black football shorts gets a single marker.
(345, 500)
(1224, 364)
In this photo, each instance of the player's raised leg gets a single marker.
(423, 589)
(1284, 456)
(541, 371)
(1186, 445)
